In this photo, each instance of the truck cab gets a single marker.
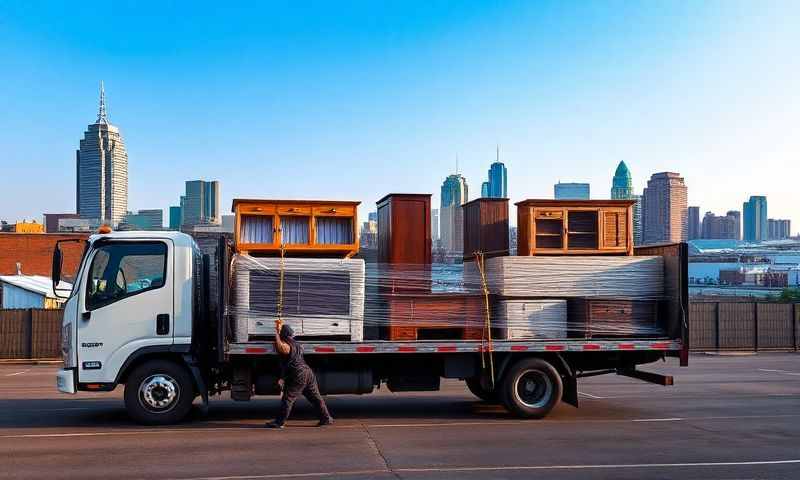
(130, 304)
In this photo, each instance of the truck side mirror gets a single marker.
(58, 259)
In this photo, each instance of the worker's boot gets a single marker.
(273, 424)
(325, 422)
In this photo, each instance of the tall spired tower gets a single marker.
(101, 163)
(622, 189)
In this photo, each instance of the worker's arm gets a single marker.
(282, 347)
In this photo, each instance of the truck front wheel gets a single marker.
(531, 388)
(159, 392)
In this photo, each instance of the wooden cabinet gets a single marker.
(486, 227)
(404, 228)
(436, 316)
(307, 227)
(613, 318)
(575, 227)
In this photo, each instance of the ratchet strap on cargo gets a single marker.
(280, 286)
(486, 333)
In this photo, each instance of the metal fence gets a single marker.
(713, 325)
(744, 326)
(30, 333)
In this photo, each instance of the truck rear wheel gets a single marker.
(474, 386)
(159, 392)
(531, 388)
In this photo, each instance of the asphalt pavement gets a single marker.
(727, 417)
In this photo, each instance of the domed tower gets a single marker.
(622, 184)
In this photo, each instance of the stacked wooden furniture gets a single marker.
(486, 227)
(404, 253)
(610, 318)
(323, 288)
(575, 227)
(301, 227)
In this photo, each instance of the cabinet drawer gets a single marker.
(293, 210)
(257, 209)
(334, 211)
(545, 214)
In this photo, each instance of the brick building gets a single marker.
(34, 253)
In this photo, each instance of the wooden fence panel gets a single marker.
(14, 334)
(46, 333)
(737, 326)
(775, 326)
(703, 326)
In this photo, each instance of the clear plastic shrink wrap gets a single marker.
(528, 298)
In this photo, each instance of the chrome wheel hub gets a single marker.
(534, 389)
(159, 393)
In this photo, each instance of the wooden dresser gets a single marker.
(575, 227)
(306, 227)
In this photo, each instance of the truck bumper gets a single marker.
(65, 380)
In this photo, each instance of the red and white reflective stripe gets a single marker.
(463, 346)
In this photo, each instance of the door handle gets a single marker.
(162, 324)
(86, 315)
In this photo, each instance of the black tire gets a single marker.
(159, 392)
(531, 388)
(474, 386)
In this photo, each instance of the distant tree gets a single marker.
(790, 295)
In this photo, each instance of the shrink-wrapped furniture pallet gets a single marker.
(321, 297)
(524, 318)
(636, 277)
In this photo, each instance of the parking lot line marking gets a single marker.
(502, 468)
(676, 419)
(590, 395)
(785, 372)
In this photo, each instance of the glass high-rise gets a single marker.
(622, 189)
(454, 193)
(101, 164)
(754, 212)
(200, 204)
(571, 191)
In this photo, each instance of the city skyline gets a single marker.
(170, 92)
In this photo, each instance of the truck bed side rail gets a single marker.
(462, 346)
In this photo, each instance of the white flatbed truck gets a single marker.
(141, 314)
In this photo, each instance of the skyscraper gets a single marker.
(694, 223)
(498, 178)
(664, 209)
(451, 216)
(485, 190)
(718, 227)
(101, 164)
(779, 229)
(175, 217)
(200, 205)
(571, 191)
(755, 219)
(736, 215)
(434, 225)
(622, 189)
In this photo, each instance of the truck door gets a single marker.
(126, 303)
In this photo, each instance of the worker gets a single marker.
(296, 378)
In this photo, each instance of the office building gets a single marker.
(754, 211)
(51, 220)
(720, 227)
(695, 230)
(664, 209)
(571, 191)
(737, 217)
(434, 225)
(200, 204)
(622, 189)
(779, 229)
(485, 190)
(101, 190)
(454, 193)
(175, 217)
(152, 219)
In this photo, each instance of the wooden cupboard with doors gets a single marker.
(575, 227)
(302, 227)
(404, 242)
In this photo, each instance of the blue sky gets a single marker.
(355, 100)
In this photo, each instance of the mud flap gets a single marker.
(570, 390)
